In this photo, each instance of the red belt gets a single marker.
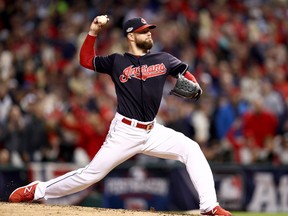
(139, 125)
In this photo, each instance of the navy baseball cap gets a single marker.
(136, 25)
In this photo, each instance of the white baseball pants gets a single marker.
(124, 141)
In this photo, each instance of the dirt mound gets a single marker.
(19, 209)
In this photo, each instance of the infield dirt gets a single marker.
(19, 209)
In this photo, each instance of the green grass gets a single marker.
(256, 214)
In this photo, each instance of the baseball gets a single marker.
(102, 19)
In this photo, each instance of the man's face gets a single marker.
(143, 39)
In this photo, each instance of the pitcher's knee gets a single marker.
(192, 146)
(191, 150)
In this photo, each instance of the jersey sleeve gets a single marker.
(104, 64)
(176, 66)
(87, 52)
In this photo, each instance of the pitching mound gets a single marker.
(17, 209)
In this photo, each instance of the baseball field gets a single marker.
(12, 209)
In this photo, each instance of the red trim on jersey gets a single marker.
(87, 52)
(189, 76)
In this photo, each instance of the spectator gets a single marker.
(282, 148)
(242, 147)
(6, 101)
(267, 154)
(259, 123)
(35, 136)
(225, 115)
(90, 132)
(272, 100)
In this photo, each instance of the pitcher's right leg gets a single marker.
(121, 143)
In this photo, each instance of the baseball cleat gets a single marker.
(217, 211)
(24, 194)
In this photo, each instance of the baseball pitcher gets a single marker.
(139, 77)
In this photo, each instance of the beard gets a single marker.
(144, 45)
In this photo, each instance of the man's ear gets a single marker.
(130, 36)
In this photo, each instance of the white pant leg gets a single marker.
(169, 144)
(122, 142)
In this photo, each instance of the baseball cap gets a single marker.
(135, 25)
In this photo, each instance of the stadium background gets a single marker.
(54, 114)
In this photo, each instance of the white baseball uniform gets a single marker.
(124, 141)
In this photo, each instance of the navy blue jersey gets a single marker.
(139, 81)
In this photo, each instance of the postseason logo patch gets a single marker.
(130, 29)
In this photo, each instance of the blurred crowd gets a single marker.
(52, 109)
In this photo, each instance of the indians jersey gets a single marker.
(139, 80)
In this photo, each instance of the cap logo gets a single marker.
(129, 29)
(143, 21)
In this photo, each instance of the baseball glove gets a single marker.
(186, 88)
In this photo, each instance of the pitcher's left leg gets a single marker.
(169, 144)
